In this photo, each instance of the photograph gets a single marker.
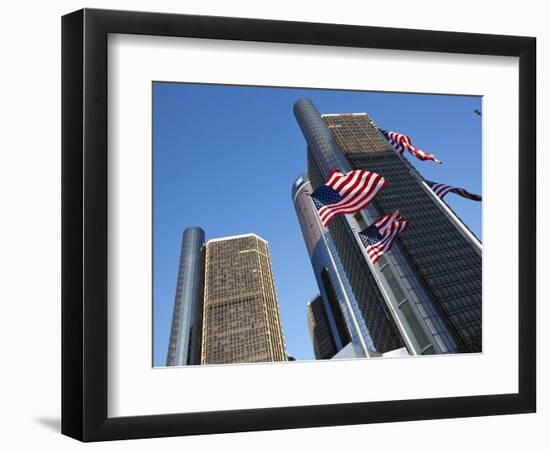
(274, 225)
(300, 224)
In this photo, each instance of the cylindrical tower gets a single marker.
(320, 140)
(336, 293)
(185, 335)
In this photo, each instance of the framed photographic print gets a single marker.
(273, 224)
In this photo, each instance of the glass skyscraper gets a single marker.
(323, 341)
(344, 317)
(241, 319)
(185, 334)
(425, 294)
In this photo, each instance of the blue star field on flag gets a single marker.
(346, 193)
(378, 238)
(441, 190)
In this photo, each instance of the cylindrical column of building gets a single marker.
(323, 256)
(185, 336)
(319, 138)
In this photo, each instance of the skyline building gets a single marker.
(344, 316)
(241, 318)
(185, 333)
(425, 294)
(322, 339)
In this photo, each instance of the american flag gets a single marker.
(441, 190)
(401, 143)
(346, 193)
(378, 237)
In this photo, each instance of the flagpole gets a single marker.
(462, 228)
(396, 317)
(454, 218)
(404, 329)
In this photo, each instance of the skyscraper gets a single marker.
(425, 293)
(185, 334)
(344, 317)
(241, 320)
(323, 341)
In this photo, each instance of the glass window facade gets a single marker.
(185, 335)
(241, 319)
(324, 346)
(336, 292)
(446, 259)
(434, 265)
(335, 309)
(374, 311)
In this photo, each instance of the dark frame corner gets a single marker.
(84, 224)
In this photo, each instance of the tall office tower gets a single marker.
(323, 341)
(426, 292)
(344, 316)
(185, 335)
(241, 320)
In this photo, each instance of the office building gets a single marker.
(241, 319)
(344, 317)
(320, 333)
(425, 294)
(185, 335)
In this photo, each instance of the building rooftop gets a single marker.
(344, 114)
(238, 236)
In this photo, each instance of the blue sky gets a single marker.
(225, 158)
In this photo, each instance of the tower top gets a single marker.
(237, 236)
(344, 114)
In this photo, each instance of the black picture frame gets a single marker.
(84, 224)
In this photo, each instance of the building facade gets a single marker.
(241, 319)
(322, 339)
(184, 347)
(425, 294)
(345, 320)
